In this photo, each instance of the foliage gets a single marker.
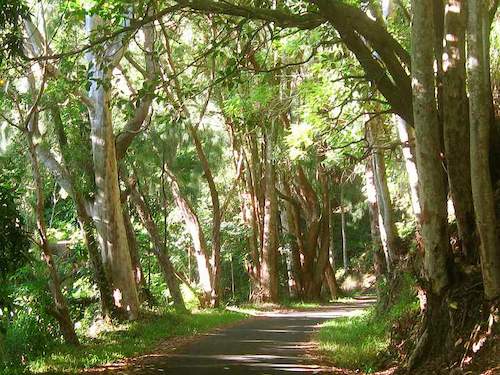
(12, 14)
(28, 327)
(237, 83)
(234, 257)
(130, 339)
(13, 236)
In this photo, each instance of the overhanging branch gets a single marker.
(280, 18)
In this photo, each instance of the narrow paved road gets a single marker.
(271, 343)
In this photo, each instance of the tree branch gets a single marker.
(133, 126)
(280, 18)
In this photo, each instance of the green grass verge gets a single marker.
(359, 342)
(354, 342)
(128, 340)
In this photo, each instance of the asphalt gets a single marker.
(270, 343)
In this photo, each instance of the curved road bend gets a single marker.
(272, 343)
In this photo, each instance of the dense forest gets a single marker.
(163, 158)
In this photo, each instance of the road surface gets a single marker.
(271, 343)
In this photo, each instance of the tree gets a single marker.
(456, 124)
(107, 208)
(387, 227)
(480, 121)
(159, 249)
(182, 132)
(269, 261)
(433, 219)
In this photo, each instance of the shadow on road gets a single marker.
(274, 342)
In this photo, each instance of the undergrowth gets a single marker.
(361, 342)
(125, 340)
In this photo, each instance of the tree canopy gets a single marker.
(205, 153)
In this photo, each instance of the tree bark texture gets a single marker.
(108, 214)
(433, 219)
(216, 218)
(456, 123)
(380, 266)
(140, 280)
(164, 261)
(60, 307)
(482, 190)
(407, 138)
(343, 229)
(193, 227)
(269, 263)
(66, 180)
(388, 232)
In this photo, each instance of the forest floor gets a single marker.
(275, 341)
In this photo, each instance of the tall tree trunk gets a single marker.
(480, 120)
(433, 219)
(323, 255)
(269, 266)
(308, 218)
(248, 203)
(344, 231)
(376, 243)
(257, 162)
(331, 277)
(249, 217)
(108, 214)
(432, 187)
(216, 218)
(84, 219)
(331, 280)
(310, 230)
(103, 284)
(214, 266)
(407, 138)
(193, 227)
(438, 28)
(292, 212)
(456, 124)
(140, 280)
(60, 307)
(164, 261)
(388, 233)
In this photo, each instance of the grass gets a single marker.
(128, 340)
(354, 342)
(358, 342)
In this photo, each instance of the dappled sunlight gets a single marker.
(453, 7)
(117, 297)
(343, 311)
(472, 62)
(273, 342)
(206, 186)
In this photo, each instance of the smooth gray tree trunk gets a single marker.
(107, 210)
(480, 120)
(456, 123)
(433, 219)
